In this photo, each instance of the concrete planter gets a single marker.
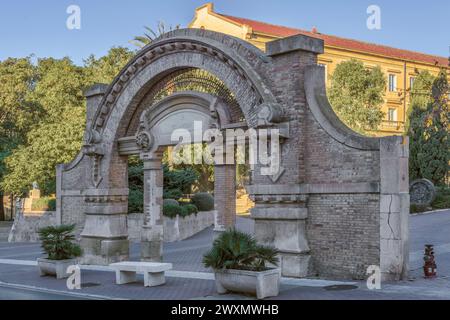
(56, 268)
(262, 284)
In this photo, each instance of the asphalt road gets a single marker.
(186, 256)
(8, 293)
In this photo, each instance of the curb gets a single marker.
(429, 212)
(64, 293)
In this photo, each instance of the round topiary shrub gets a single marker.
(203, 201)
(171, 202)
(184, 212)
(172, 211)
(191, 209)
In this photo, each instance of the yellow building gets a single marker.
(401, 66)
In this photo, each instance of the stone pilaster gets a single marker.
(105, 237)
(152, 230)
(394, 208)
(280, 221)
(225, 197)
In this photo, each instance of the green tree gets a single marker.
(106, 68)
(17, 115)
(421, 96)
(430, 135)
(356, 94)
(57, 136)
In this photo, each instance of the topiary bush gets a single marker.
(203, 201)
(172, 211)
(191, 209)
(239, 251)
(57, 242)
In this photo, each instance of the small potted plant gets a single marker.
(58, 244)
(241, 265)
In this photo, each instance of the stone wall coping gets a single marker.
(325, 188)
(326, 117)
(279, 213)
(295, 43)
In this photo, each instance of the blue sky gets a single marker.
(39, 27)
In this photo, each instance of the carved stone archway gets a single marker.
(185, 111)
(339, 202)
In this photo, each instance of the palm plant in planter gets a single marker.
(58, 244)
(240, 265)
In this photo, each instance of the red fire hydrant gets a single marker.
(429, 268)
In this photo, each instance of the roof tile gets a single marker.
(349, 44)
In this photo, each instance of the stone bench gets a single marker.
(154, 273)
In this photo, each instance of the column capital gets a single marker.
(153, 164)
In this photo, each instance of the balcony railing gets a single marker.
(393, 125)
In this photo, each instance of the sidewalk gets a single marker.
(190, 280)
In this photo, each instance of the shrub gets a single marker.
(44, 204)
(171, 202)
(191, 209)
(57, 242)
(174, 194)
(418, 208)
(172, 211)
(203, 201)
(184, 212)
(177, 182)
(442, 200)
(239, 251)
(136, 201)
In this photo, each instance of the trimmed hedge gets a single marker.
(172, 210)
(203, 201)
(191, 209)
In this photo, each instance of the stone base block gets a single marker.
(97, 251)
(152, 251)
(295, 265)
(152, 244)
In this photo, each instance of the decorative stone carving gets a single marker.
(269, 114)
(148, 57)
(423, 192)
(144, 140)
(279, 198)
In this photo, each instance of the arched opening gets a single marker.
(179, 111)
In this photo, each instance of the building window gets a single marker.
(392, 115)
(411, 82)
(392, 83)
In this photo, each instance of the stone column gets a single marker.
(152, 230)
(225, 197)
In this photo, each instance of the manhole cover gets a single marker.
(90, 285)
(340, 287)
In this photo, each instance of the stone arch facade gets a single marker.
(339, 201)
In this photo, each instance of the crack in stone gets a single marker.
(389, 217)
